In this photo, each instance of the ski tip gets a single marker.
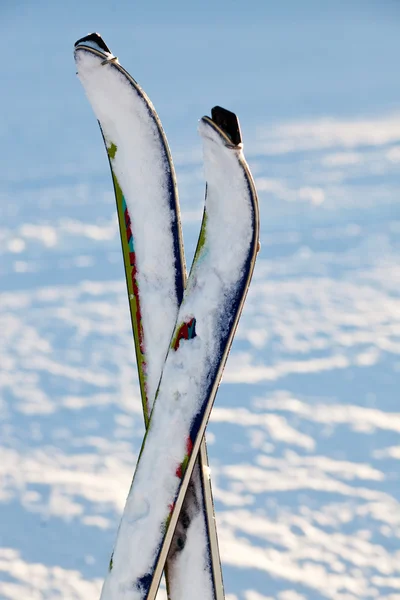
(228, 122)
(93, 40)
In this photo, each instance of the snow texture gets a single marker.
(142, 173)
(211, 290)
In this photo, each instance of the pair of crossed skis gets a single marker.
(183, 329)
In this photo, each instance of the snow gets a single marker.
(142, 172)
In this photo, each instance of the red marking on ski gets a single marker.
(186, 331)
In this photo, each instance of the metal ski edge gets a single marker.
(156, 575)
(211, 521)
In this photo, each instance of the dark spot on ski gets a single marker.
(143, 583)
(228, 122)
(180, 542)
(96, 39)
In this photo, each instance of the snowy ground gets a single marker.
(304, 439)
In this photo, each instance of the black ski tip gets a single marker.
(94, 40)
(228, 122)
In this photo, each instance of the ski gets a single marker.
(207, 320)
(149, 221)
(206, 323)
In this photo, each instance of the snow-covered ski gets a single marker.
(207, 319)
(148, 213)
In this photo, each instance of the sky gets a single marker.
(304, 437)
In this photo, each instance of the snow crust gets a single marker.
(208, 297)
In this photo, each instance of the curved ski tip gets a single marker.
(228, 122)
(93, 40)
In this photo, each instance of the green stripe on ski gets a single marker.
(134, 300)
(112, 150)
(202, 239)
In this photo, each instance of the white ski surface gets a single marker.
(143, 177)
(125, 121)
(208, 297)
